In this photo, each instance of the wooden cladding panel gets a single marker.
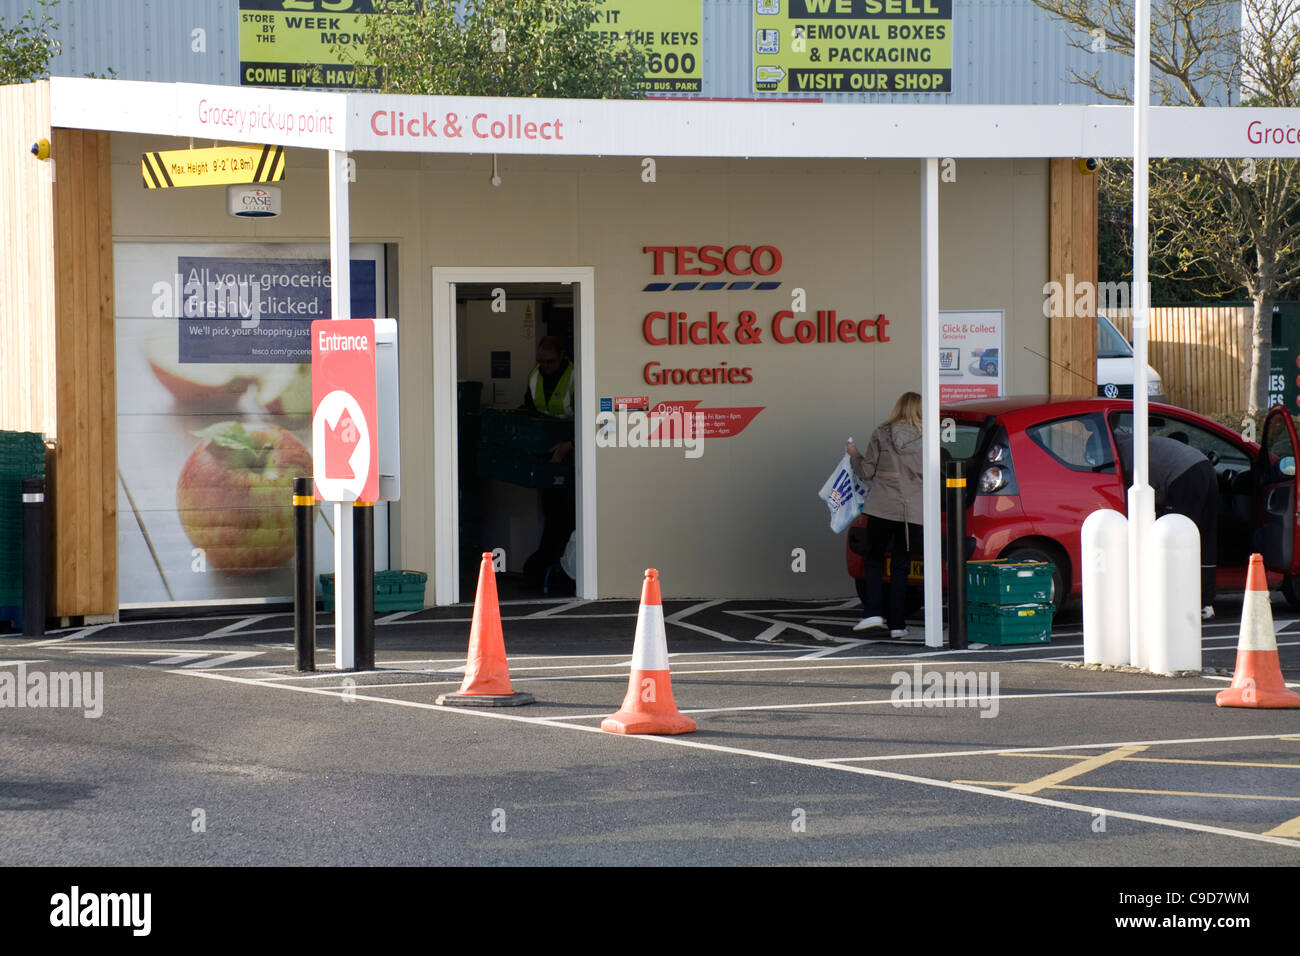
(1072, 260)
(27, 366)
(86, 454)
(1201, 352)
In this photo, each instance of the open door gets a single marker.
(1278, 492)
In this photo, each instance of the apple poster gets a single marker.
(214, 414)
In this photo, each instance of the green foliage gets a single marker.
(27, 47)
(1176, 277)
(498, 48)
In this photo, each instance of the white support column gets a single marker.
(1141, 497)
(930, 400)
(341, 308)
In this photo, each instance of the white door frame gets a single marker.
(446, 482)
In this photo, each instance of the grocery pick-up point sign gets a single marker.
(344, 410)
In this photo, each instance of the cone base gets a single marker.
(1260, 699)
(632, 722)
(484, 700)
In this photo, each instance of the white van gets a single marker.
(1115, 365)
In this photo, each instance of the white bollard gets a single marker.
(1141, 515)
(1173, 611)
(1105, 588)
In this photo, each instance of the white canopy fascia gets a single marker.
(348, 122)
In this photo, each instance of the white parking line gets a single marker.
(557, 609)
(969, 700)
(1031, 750)
(678, 741)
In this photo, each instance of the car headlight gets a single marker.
(992, 479)
(997, 453)
(1154, 387)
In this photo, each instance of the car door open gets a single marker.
(1277, 492)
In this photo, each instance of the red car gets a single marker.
(1037, 467)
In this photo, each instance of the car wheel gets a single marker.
(1030, 553)
(1291, 591)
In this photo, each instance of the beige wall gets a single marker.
(723, 525)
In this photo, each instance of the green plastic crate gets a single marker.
(1009, 624)
(22, 455)
(394, 590)
(1009, 582)
(520, 431)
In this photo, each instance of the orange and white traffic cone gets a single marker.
(1257, 678)
(649, 707)
(487, 675)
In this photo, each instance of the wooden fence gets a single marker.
(1201, 352)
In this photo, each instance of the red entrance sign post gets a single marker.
(345, 453)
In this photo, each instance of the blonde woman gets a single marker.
(892, 464)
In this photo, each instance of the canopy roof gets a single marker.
(453, 124)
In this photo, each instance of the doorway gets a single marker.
(511, 479)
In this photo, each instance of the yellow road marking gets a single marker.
(1289, 829)
(1158, 793)
(1076, 770)
(1209, 763)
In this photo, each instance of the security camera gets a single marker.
(1088, 166)
(41, 149)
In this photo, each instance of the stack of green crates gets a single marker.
(22, 455)
(514, 447)
(394, 591)
(1009, 602)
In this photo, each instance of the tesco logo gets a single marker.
(715, 260)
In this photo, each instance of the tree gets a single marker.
(27, 47)
(1235, 222)
(497, 48)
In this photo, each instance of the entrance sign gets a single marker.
(344, 410)
(218, 166)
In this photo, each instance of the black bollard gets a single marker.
(363, 579)
(955, 503)
(33, 557)
(304, 574)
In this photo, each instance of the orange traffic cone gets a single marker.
(487, 675)
(649, 707)
(1257, 678)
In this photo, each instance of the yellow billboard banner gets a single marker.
(296, 43)
(669, 32)
(218, 166)
(853, 46)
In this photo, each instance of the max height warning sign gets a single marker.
(853, 46)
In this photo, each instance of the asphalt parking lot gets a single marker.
(211, 748)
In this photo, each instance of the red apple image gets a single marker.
(199, 384)
(285, 389)
(207, 386)
(235, 495)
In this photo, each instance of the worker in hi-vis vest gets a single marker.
(550, 389)
(550, 393)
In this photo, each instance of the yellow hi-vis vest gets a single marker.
(560, 404)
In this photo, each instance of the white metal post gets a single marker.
(930, 513)
(1141, 498)
(341, 308)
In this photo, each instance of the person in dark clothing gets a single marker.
(1184, 483)
(550, 393)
